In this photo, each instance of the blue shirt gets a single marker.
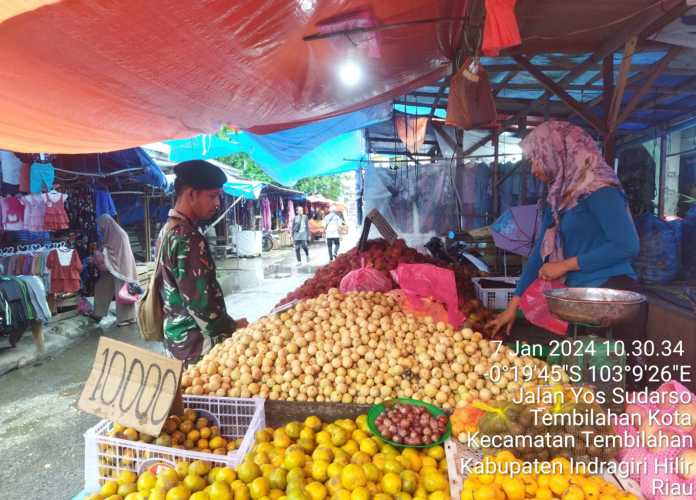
(599, 231)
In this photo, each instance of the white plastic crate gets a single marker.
(238, 418)
(495, 298)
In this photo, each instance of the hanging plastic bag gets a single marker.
(125, 296)
(420, 281)
(536, 309)
(470, 104)
(365, 279)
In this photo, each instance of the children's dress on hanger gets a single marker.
(65, 267)
(56, 218)
(12, 214)
(34, 212)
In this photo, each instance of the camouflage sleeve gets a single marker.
(194, 272)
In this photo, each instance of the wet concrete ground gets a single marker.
(41, 430)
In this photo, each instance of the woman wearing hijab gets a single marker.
(588, 236)
(118, 268)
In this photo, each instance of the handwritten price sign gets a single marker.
(131, 386)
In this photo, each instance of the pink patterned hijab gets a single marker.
(571, 161)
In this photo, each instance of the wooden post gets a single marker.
(148, 228)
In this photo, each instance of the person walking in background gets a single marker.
(117, 267)
(332, 230)
(300, 234)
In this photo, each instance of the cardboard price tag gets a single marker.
(131, 386)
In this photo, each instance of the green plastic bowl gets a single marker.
(377, 410)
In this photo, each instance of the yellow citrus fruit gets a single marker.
(294, 458)
(320, 470)
(353, 476)
(558, 484)
(543, 493)
(220, 490)
(259, 487)
(361, 422)
(339, 437)
(590, 489)
(562, 463)
(393, 465)
(360, 458)
(278, 479)
(276, 494)
(439, 495)
(391, 483)
(433, 481)
(109, 488)
(316, 490)
(389, 451)
(513, 487)
(248, 471)
(323, 437)
(409, 481)
(313, 422)
(573, 493)
(307, 433)
(126, 477)
(341, 495)
(194, 483)
(371, 472)
(360, 493)
(199, 468)
(178, 493)
(323, 453)
(334, 469)
(350, 447)
(226, 474)
(199, 495)
(436, 452)
(293, 429)
(369, 446)
(429, 462)
(485, 492)
(467, 494)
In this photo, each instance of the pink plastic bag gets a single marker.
(536, 309)
(365, 279)
(420, 281)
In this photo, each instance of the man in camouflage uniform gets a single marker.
(195, 316)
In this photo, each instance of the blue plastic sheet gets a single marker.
(106, 163)
(325, 147)
(251, 190)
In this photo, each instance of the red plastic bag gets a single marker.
(365, 279)
(427, 307)
(536, 309)
(421, 281)
(501, 30)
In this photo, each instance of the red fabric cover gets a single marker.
(88, 76)
(500, 30)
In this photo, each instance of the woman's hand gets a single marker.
(556, 270)
(506, 319)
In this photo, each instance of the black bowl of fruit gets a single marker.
(409, 423)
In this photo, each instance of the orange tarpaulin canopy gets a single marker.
(95, 75)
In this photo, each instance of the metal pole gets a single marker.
(148, 228)
(496, 146)
(663, 174)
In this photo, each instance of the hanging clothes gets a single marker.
(34, 212)
(41, 177)
(12, 214)
(55, 217)
(37, 295)
(265, 214)
(65, 267)
(24, 178)
(104, 203)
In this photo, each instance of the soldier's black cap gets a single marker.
(199, 174)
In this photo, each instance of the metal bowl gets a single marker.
(594, 306)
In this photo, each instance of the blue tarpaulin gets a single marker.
(108, 163)
(318, 148)
(251, 190)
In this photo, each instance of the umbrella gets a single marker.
(517, 229)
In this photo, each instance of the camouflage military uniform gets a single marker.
(195, 316)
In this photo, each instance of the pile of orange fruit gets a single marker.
(565, 484)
